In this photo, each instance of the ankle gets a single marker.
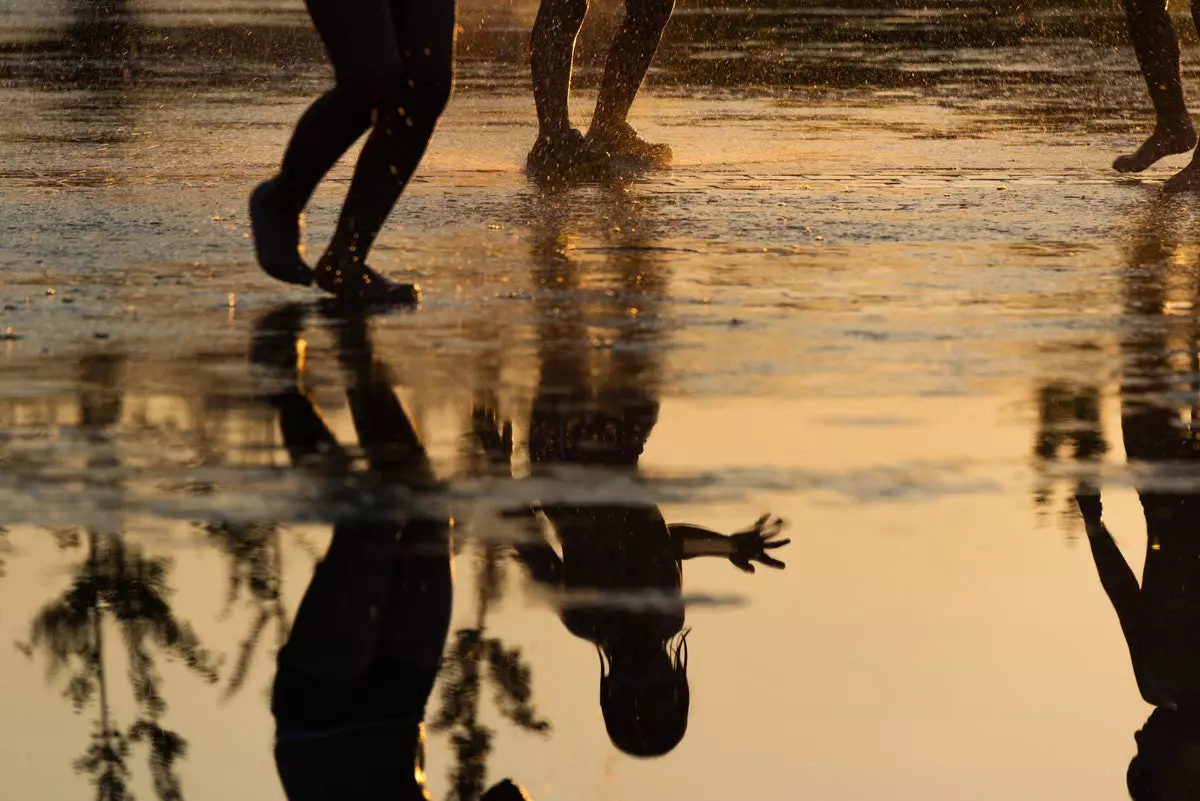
(1175, 125)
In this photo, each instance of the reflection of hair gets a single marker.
(646, 713)
(1139, 779)
(1153, 770)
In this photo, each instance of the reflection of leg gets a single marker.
(387, 434)
(425, 41)
(1157, 50)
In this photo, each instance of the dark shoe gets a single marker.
(566, 158)
(276, 226)
(360, 287)
(623, 143)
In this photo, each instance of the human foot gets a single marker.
(623, 142)
(1168, 139)
(1186, 180)
(567, 156)
(358, 285)
(276, 226)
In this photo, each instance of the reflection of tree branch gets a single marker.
(462, 679)
(5, 549)
(121, 582)
(255, 569)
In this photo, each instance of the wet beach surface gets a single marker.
(889, 291)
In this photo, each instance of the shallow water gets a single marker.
(889, 291)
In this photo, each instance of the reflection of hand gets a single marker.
(752, 544)
(1090, 508)
(496, 438)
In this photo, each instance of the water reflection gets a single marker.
(364, 653)
(1160, 618)
(116, 588)
(618, 565)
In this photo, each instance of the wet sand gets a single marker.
(889, 291)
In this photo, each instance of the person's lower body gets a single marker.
(1157, 48)
(560, 148)
(561, 151)
(394, 67)
(628, 61)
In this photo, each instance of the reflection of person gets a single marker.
(394, 66)
(1157, 49)
(621, 562)
(563, 149)
(1160, 618)
(360, 663)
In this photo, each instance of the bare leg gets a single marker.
(629, 59)
(560, 150)
(552, 53)
(1157, 49)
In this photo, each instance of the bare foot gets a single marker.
(1186, 180)
(1167, 140)
(566, 158)
(623, 142)
(358, 285)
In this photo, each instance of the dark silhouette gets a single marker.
(619, 572)
(1157, 49)
(364, 651)
(394, 69)
(120, 584)
(1160, 618)
(561, 149)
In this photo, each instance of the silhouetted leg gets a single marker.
(424, 74)
(1157, 49)
(552, 51)
(629, 59)
(365, 59)
(560, 149)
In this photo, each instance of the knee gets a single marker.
(656, 12)
(417, 95)
(429, 87)
(381, 87)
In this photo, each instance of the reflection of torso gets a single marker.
(1167, 662)
(624, 554)
(403, 648)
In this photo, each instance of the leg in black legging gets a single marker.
(628, 61)
(424, 35)
(393, 62)
(1157, 49)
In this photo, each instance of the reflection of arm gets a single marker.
(692, 541)
(1118, 580)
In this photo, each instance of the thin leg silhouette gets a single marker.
(393, 63)
(628, 61)
(1157, 49)
(560, 150)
